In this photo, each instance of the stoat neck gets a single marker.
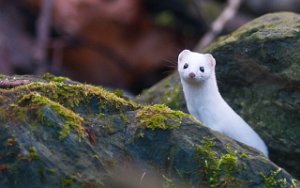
(204, 91)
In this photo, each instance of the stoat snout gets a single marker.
(192, 75)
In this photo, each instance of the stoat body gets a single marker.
(205, 103)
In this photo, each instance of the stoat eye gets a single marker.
(201, 69)
(185, 66)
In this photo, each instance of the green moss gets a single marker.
(229, 162)
(108, 96)
(139, 134)
(167, 84)
(159, 116)
(3, 114)
(53, 78)
(1, 100)
(272, 180)
(71, 120)
(101, 116)
(52, 171)
(124, 118)
(96, 157)
(243, 156)
(209, 162)
(217, 170)
(32, 153)
(67, 182)
(71, 95)
(2, 76)
(119, 93)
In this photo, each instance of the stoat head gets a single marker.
(195, 67)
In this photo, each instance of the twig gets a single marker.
(13, 83)
(142, 178)
(218, 25)
(42, 30)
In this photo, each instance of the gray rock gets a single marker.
(59, 133)
(258, 72)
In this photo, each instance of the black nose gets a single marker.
(192, 75)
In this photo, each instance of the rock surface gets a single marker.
(58, 133)
(258, 75)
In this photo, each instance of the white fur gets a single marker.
(206, 104)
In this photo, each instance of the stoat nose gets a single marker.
(192, 75)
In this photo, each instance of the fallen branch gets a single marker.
(43, 27)
(218, 25)
(13, 83)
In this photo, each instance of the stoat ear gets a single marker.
(211, 59)
(183, 54)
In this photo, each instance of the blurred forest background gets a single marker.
(127, 44)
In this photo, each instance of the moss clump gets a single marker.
(32, 153)
(51, 77)
(272, 180)
(71, 120)
(243, 156)
(120, 93)
(71, 95)
(67, 182)
(108, 96)
(68, 101)
(218, 171)
(159, 116)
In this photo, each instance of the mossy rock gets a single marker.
(59, 133)
(258, 69)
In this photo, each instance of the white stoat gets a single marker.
(205, 103)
